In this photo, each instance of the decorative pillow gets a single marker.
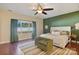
(64, 33)
(56, 30)
(55, 33)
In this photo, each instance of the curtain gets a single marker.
(14, 36)
(34, 30)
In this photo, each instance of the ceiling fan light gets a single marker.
(39, 11)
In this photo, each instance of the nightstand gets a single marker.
(73, 37)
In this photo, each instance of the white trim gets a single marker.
(75, 41)
(4, 42)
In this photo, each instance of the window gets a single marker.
(24, 26)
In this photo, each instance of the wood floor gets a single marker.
(12, 49)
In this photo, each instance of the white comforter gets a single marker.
(58, 40)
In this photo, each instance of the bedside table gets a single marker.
(73, 37)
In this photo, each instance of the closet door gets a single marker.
(14, 36)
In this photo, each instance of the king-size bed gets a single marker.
(59, 35)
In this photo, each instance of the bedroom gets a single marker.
(63, 19)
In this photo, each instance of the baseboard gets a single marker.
(75, 41)
(5, 42)
(9, 41)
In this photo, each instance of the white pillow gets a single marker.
(55, 33)
(52, 32)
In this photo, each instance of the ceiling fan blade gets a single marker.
(36, 13)
(44, 13)
(48, 9)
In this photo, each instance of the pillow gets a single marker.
(52, 32)
(55, 33)
(56, 30)
(64, 33)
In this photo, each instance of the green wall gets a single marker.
(62, 20)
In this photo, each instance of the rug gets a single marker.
(33, 50)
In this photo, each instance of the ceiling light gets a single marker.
(39, 11)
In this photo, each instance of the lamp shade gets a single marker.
(46, 26)
(77, 26)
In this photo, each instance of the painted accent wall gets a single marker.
(62, 20)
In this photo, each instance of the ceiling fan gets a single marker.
(40, 9)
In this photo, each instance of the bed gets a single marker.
(59, 35)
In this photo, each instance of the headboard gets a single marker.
(63, 28)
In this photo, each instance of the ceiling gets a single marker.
(26, 8)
